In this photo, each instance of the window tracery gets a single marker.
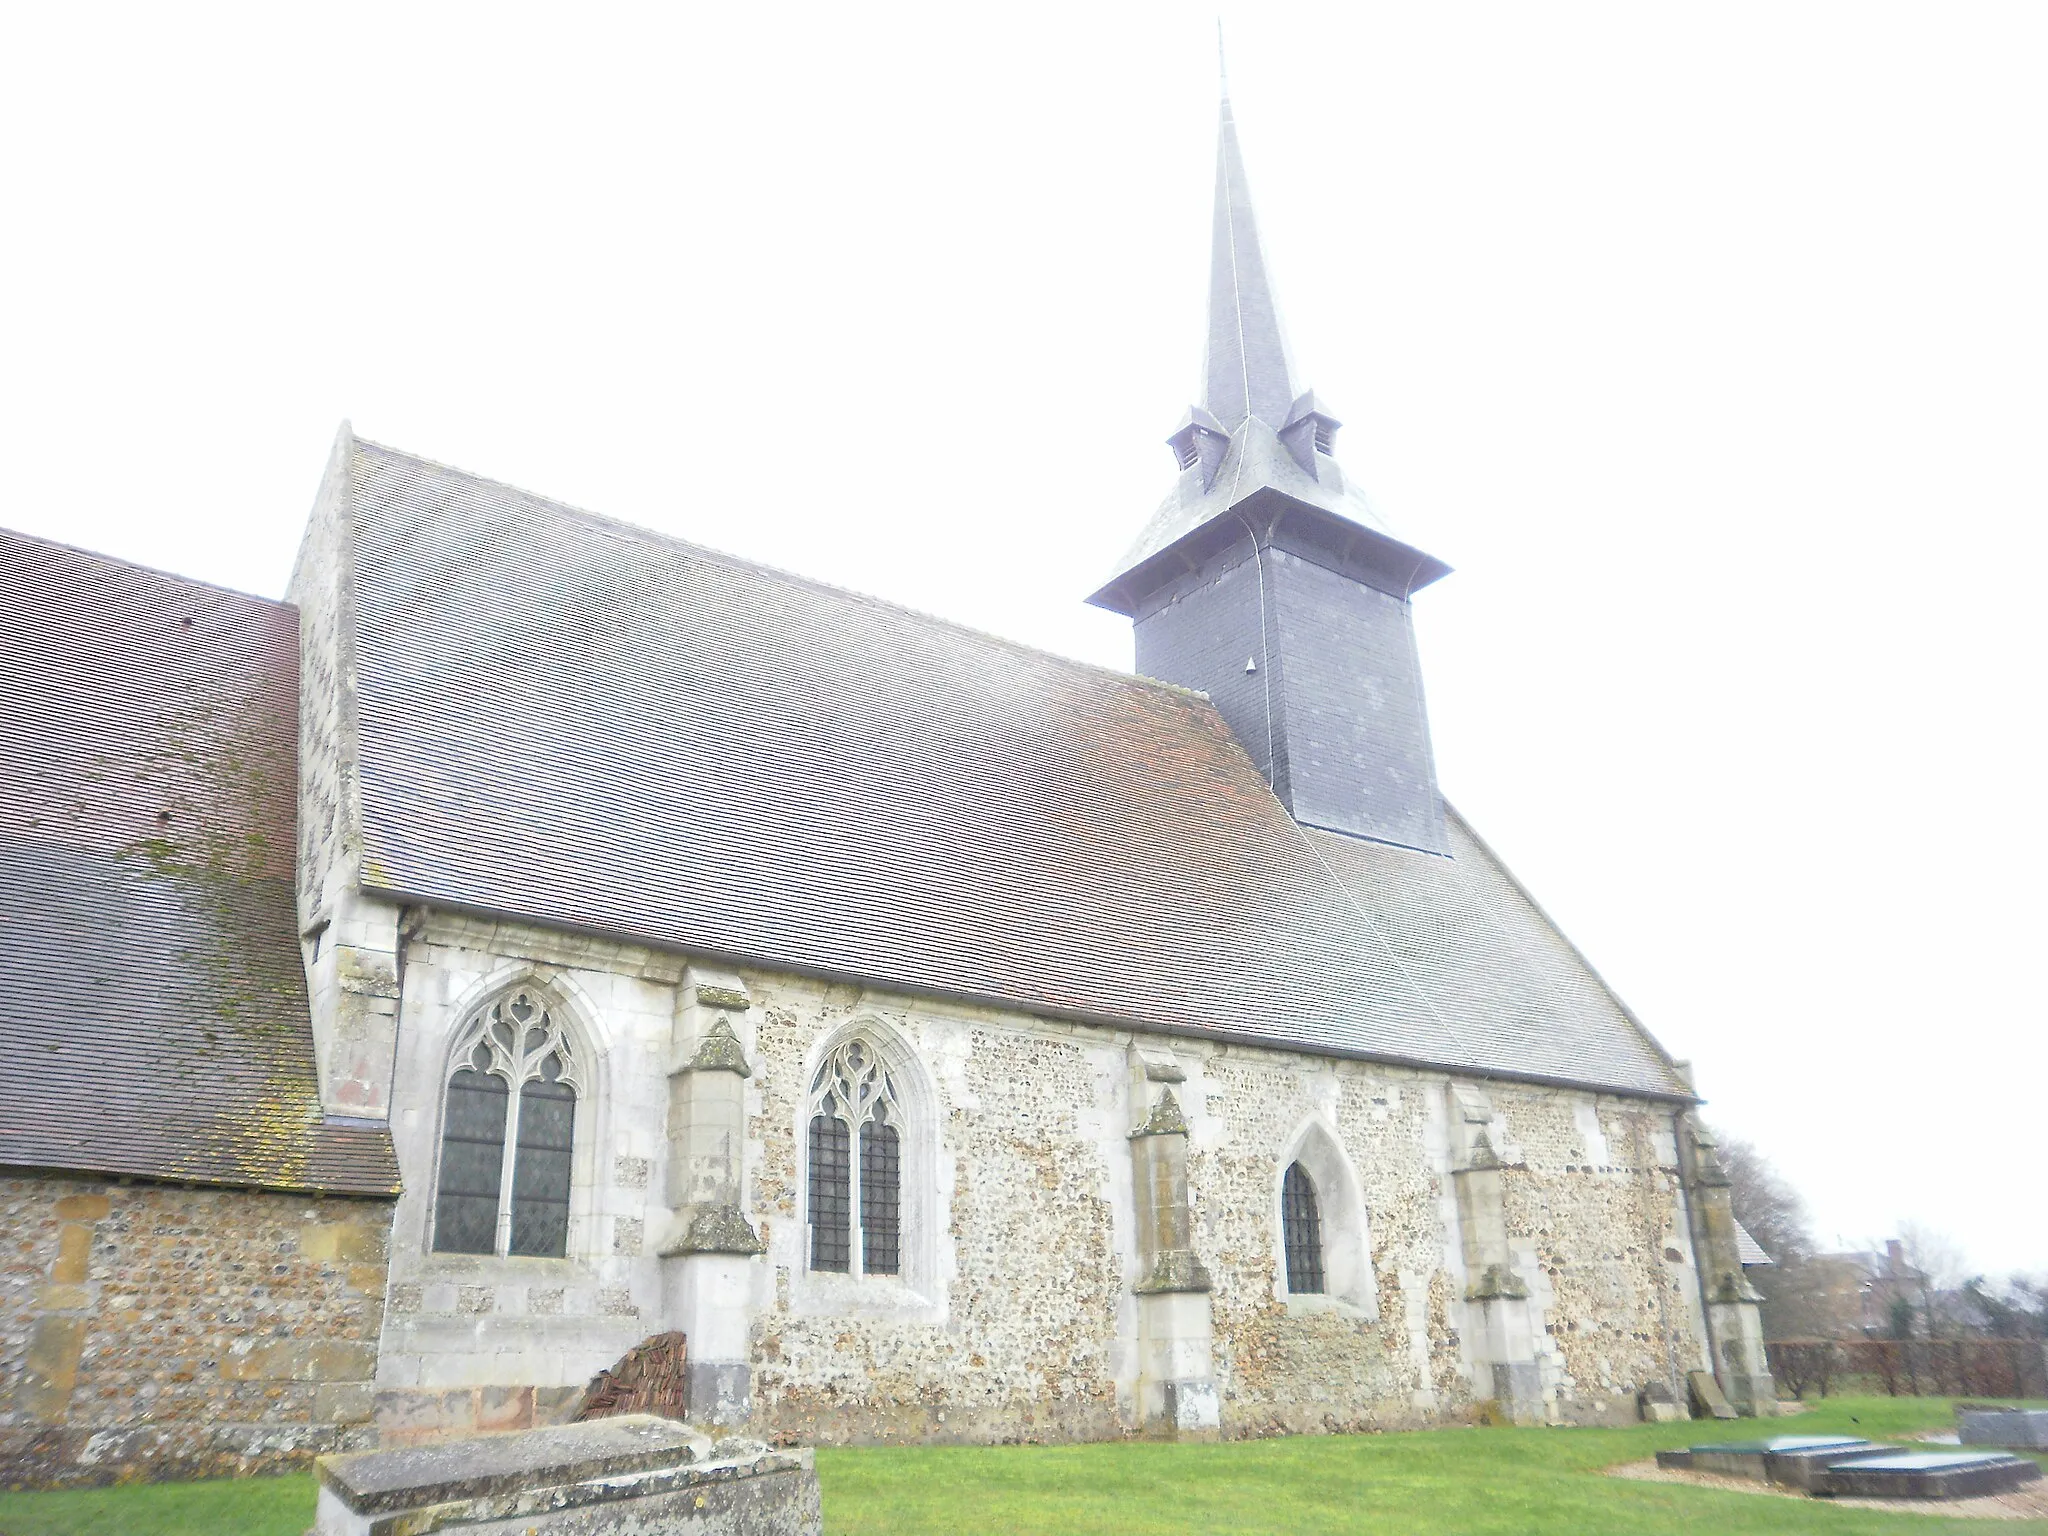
(854, 1103)
(508, 1133)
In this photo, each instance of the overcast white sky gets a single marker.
(1707, 342)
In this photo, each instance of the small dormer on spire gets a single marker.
(1199, 443)
(1310, 430)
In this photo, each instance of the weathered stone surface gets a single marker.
(720, 1050)
(720, 1229)
(163, 1332)
(1927, 1475)
(1781, 1458)
(2014, 1428)
(377, 1482)
(626, 1475)
(1015, 1313)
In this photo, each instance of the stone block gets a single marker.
(556, 1405)
(335, 1360)
(1927, 1475)
(74, 1254)
(634, 1472)
(64, 1298)
(83, 1207)
(504, 1408)
(367, 1278)
(50, 1369)
(299, 1360)
(419, 1414)
(351, 1402)
(342, 1242)
(2018, 1429)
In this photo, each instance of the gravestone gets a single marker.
(633, 1475)
(1928, 1475)
(1827, 1466)
(2017, 1429)
(1772, 1460)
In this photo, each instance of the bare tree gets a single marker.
(1772, 1211)
(1939, 1266)
(1767, 1205)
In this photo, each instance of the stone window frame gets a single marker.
(1348, 1283)
(916, 1290)
(571, 1018)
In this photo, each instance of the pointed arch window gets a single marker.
(507, 1134)
(855, 1169)
(1301, 1226)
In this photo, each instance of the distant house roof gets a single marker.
(587, 725)
(153, 1013)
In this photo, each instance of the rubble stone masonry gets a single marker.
(1015, 1315)
(149, 1331)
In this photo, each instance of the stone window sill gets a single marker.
(1326, 1306)
(815, 1293)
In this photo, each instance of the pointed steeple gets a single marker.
(1266, 581)
(1246, 371)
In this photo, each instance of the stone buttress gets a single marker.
(709, 1250)
(1734, 1314)
(1177, 1393)
(1501, 1333)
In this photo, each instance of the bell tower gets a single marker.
(1265, 581)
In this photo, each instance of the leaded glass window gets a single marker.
(1301, 1224)
(507, 1134)
(881, 1199)
(831, 1195)
(854, 1101)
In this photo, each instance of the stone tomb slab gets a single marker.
(1927, 1475)
(2017, 1429)
(633, 1475)
(1765, 1459)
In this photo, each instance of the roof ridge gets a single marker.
(742, 562)
(100, 557)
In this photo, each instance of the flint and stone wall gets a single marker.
(148, 1330)
(1015, 1315)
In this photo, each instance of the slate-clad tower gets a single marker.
(1267, 583)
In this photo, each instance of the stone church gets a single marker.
(559, 936)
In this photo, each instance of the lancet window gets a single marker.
(1301, 1228)
(855, 1165)
(507, 1134)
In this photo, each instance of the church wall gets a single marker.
(154, 1331)
(483, 1342)
(1014, 1317)
(350, 941)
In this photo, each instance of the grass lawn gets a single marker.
(1514, 1482)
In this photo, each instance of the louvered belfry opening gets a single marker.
(1301, 1223)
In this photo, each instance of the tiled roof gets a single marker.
(153, 1016)
(587, 725)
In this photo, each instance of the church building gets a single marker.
(540, 944)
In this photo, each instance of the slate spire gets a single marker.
(1266, 580)
(1246, 371)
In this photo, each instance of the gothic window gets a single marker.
(506, 1134)
(1301, 1225)
(856, 1203)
